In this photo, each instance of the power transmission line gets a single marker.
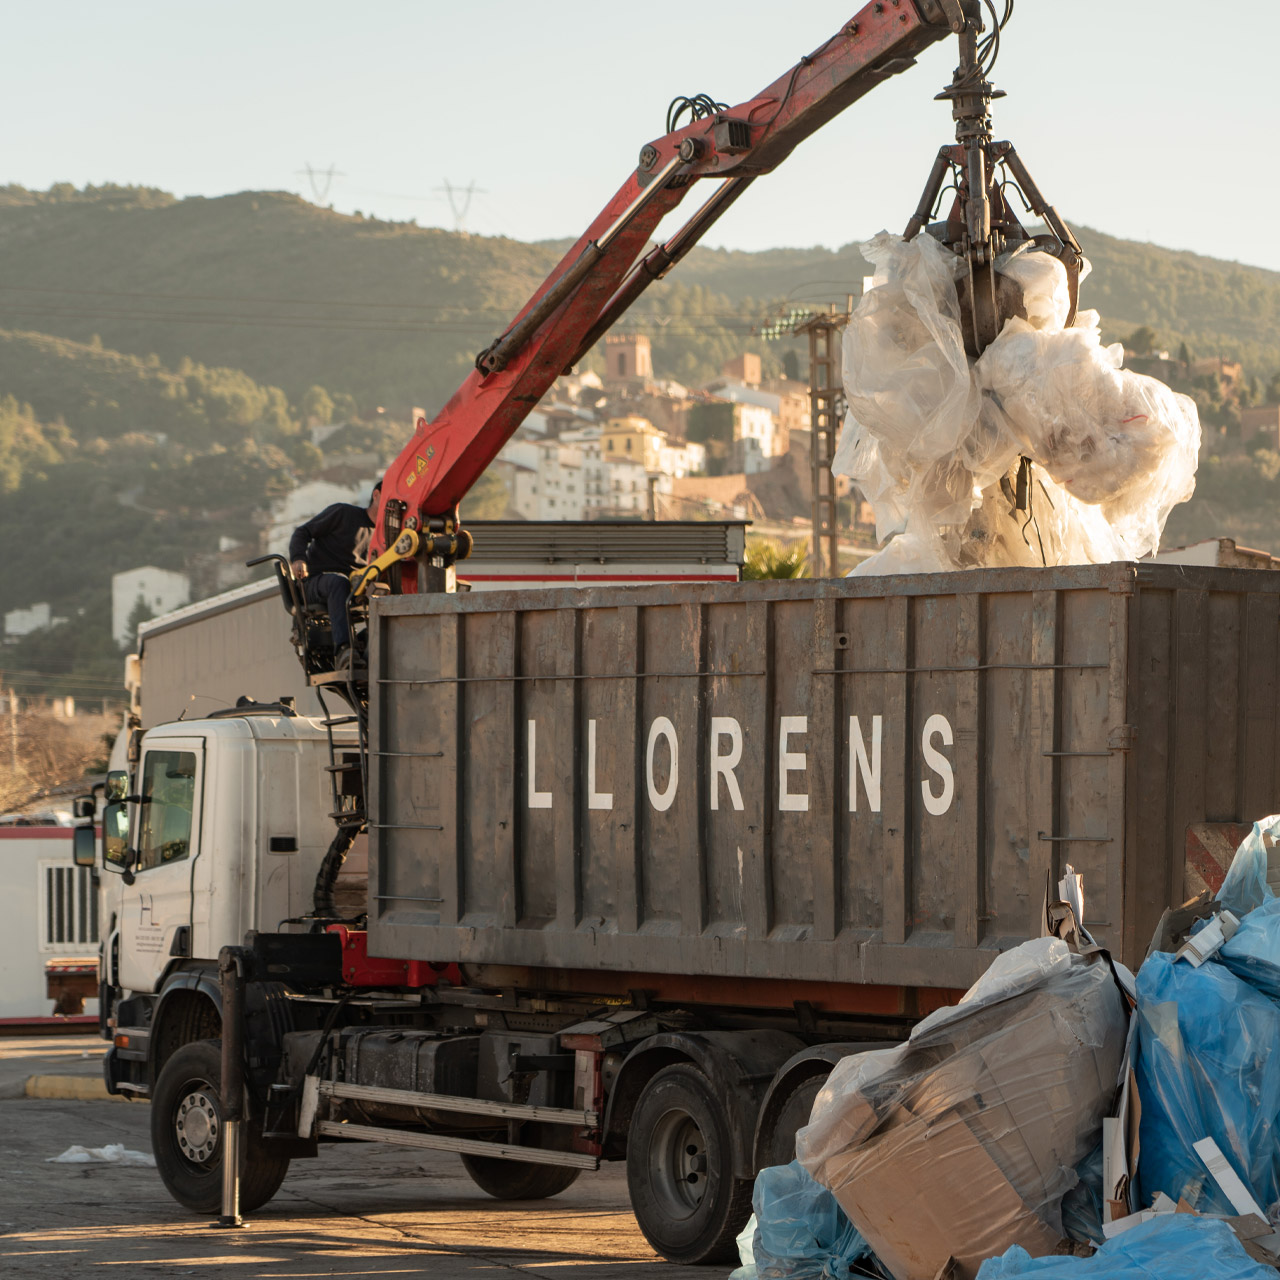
(321, 180)
(460, 202)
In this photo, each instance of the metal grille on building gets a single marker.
(69, 908)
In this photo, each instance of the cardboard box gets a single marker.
(937, 1195)
(995, 1111)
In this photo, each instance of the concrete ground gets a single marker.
(24, 1057)
(357, 1210)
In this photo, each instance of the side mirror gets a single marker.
(115, 836)
(117, 784)
(83, 851)
(83, 807)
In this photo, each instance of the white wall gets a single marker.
(22, 622)
(757, 423)
(162, 590)
(27, 854)
(308, 500)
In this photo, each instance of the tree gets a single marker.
(1142, 341)
(316, 408)
(771, 560)
(791, 365)
(1184, 356)
(344, 407)
(140, 613)
(487, 499)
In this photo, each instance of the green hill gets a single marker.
(160, 357)
(393, 313)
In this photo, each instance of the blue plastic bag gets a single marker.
(1252, 953)
(1174, 1246)
(1245, 886)
(801, 1231)
(1082, 1205)
(1206, 1066)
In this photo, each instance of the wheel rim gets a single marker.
(678, 1164)
(197, 1124)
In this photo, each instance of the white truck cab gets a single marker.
(223, 831)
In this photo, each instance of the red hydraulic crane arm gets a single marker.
(600, 276)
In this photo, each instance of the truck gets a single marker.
(644, 862)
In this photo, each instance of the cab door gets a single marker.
(164, 828)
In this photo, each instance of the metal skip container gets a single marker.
(855, 781)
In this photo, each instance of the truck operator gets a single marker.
(323, 552)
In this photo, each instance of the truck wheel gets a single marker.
(517, 1179)
(791, 1117)
(680, 1169)
(186, 1135)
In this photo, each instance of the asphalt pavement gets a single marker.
(356, 1210)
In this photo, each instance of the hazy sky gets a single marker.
(1149, 120)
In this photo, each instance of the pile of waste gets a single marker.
(1043, 451)
(1066, 1120)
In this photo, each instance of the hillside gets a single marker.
(392, 313)
(161, 361)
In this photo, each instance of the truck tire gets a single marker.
(792, 1116)
(680, 1169)
(186, 1135)
(517, 1179)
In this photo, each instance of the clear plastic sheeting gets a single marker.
(912, 438)
(1245, 885)
(1112, 439)
(801, 1233)
(965, 1139)
(1174, 1246)
(112, 1153)
(933, 439)
(1009, 974)
(746, 1252)
(1207, 1067)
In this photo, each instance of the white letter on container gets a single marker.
(723, 766)
(537, 799)
(859, 764)
(595, 800)
(937, 726)
(789, 762)
(662, 727)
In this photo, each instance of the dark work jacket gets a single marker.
(335, 541)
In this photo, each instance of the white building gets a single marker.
(22, 622)
(680, 460)
(564, 479)
(159, 590)
(755, 422)
(627, 487)
(747, 457)
(308, 500)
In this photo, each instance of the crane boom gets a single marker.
(603, 273)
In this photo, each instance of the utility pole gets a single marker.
(826, 409)
(13, 730)
(460, 202)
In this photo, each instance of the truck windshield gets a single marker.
(169, 784)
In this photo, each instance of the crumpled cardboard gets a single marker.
(964, 1140)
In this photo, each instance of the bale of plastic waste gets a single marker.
(800, 1232)
(1207, 1067)
(912, 438)
(1175, 1246)
(931, 438)
(1111, 438)
(965, 1139)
